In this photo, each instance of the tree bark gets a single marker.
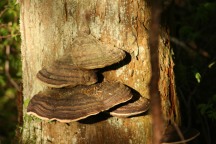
(48, 28)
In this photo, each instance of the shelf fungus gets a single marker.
(73, 104)
(61, 74)
(131, 108)
(89, 53)
(179, 135)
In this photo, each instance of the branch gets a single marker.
(8, 36)
(7, 68)
(190, 49)
(157, 117)
(3, 11)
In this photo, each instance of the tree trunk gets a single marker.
(48, 27)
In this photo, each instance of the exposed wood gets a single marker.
(48, 28)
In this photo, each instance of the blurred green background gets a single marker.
(10, 68)
(193, 37)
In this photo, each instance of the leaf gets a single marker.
(212, 114)
(204, 108)
(2, 81)
(214, 98)
(211, 64)
(198, 77)
(10, 93)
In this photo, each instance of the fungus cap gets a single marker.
(61, 74)
(73, 104)
(131, 108)
(89, 53)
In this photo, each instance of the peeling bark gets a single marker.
(48, 28)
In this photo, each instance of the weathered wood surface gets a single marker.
(48, 28)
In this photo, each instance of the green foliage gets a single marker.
(10, 68)
(197, 76)
(195, 69)
(209, 108)
(211, 64)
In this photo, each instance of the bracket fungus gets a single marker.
(89, 53)
(131, 108)
(73, 104)
(82, 97)
(61, 74)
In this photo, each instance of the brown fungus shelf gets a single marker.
(89, 53)
(61, 74)
(73, 104)
(131, 108)
(74, 95)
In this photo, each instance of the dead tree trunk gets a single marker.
(48, 27)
